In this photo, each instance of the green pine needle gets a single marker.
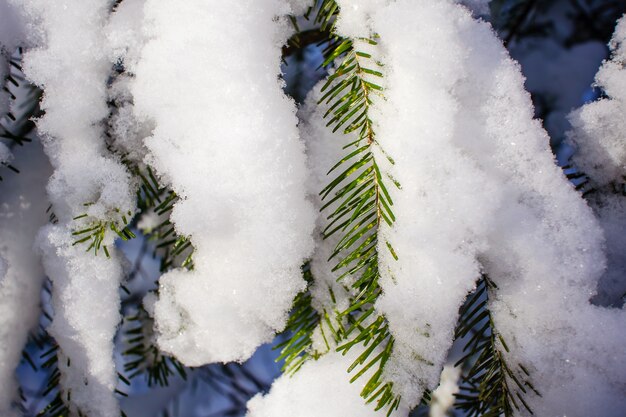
(361, 202)
(490, 386)
(142, 357)
(296, 349)
(359, 194)
(95, 232)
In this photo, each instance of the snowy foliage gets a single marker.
(457, 120)
(455, 186)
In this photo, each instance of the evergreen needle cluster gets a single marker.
(490, 388)
(361, 203)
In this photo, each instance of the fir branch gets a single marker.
(580, 180)
(363, 203)
(57, 406)
(141, 355)
(173, 250)
(41, 354)
(153, 198)
(360, 195)
(295, 350)
(326, 14)
(95, 231)
(17, 123)
(491, 387)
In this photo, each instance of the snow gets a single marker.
(86, 307)
(72, 133)
(354, 21)
(598, 133)
(22, 213)
(443, 397)
(599, 126)
(299, 7)
(126, 39)
(124, 32)
(5, 153)
(440, 223)
(319, 388)
(87, 181)
(225, 138)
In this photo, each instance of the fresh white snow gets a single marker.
(225, 138)
(71, 64)
(319, 388)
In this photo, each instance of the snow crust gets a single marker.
(220, 116)
(22, 213)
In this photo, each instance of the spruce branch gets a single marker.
(296, 349)
(304, 321)
(362, 203)
(94, 231)
(44, 360)
(56, 407)
(491, 386)
(360, 194)
(142, 357)
(173, 249)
